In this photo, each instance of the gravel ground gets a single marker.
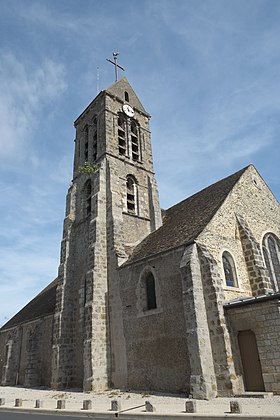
(174, 404)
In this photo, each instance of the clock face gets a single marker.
(128, 110)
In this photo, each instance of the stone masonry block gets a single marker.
(235, 407)
(87, 405)
(115, 405)
(190, 406)
(60, 405)
(149, 407)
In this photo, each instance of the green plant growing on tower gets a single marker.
(88, 169)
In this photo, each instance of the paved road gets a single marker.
(11, 415)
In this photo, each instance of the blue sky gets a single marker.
(207, 71)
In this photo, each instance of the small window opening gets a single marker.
(121, 135)
(7, 354)
(130, 195)
(126, 96)
(150, 292)
(94, 146)
(134, 141)
(229, 270)
(86, 143)
(88, 198)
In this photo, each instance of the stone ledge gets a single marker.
(255, 395)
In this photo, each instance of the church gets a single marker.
(179, 300)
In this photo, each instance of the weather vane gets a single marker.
(115, 63)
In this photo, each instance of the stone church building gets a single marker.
(182, 300)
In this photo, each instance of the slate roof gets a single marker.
(43, 304)
(186, 220)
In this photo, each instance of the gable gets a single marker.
(118, 89)
(252, 199)
(187, 219)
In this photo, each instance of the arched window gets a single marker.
(229, 270)
(121, 134)
(126, 96)
(94, 139)
(271, 254)
(86, 143)
(134, 140)
(94, 146)
(150, 288)
(148, 292)
(131, 194)
(88, 197)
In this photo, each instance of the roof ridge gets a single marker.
(241, 171)
(184, 221)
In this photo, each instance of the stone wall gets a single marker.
(251, 199)
(264, 320)
(80, 335)
(155, 340)
(211, 363)
(26, 353)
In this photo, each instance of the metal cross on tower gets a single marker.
(115, 63)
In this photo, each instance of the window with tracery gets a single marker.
(271, 254)
(131, 194)
(229, 270)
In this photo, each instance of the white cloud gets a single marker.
(23, 92)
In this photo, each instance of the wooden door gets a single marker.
(253, 379)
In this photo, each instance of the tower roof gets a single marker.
(186, 220)
(118, 88)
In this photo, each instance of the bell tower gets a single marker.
(110, 208)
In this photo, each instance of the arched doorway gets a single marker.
(253, 379)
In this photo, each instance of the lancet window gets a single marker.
(88, 197)
(229, 270)
(150, 287)
(128, 137)
(122, 134)
(134, 133)
(86, 143)
(94, 139)
(271, 254)
(94, 146)
(131, 194)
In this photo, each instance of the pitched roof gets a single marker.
(118, 88)
(186, 220)
(43, 304)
